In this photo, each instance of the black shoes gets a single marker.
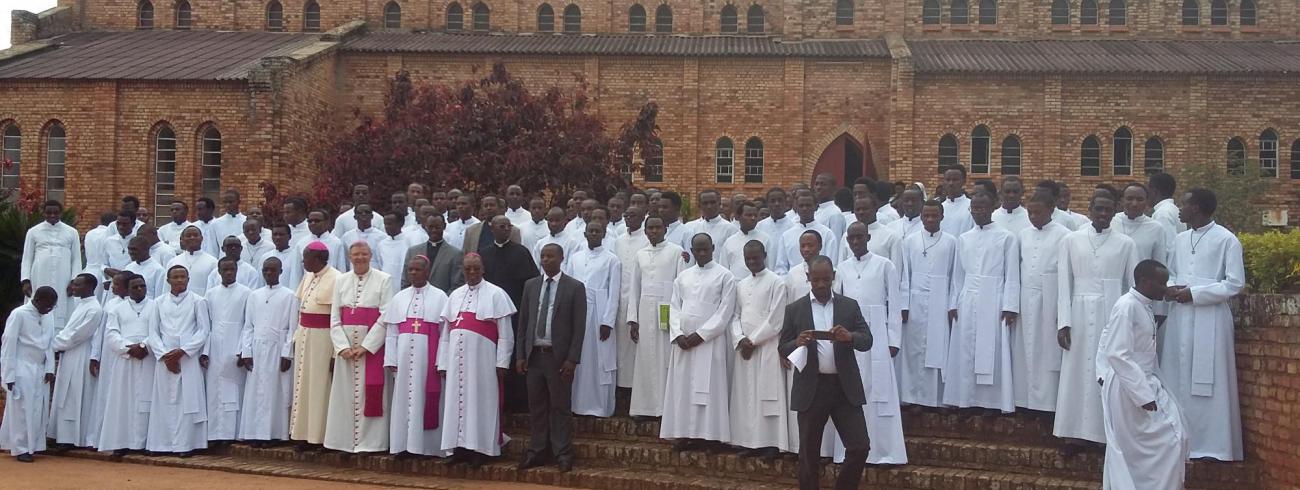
(565, 465)
(530, 461)
(25, 458)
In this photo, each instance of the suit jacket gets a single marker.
(568, 323)
(798, 317)
(478, 233)
(445, 272)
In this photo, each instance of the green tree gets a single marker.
(1239, 188)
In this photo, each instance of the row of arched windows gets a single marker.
(724, 157)
(1090, 13)
(959, 12)
(56, 153)
(183, 19)
(1247, 12)
(638, 19)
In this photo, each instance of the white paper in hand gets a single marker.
(799, 357)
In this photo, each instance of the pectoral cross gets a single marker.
(459, 317)
(415, 325)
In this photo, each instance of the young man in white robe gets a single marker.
(774, 226)
(828, 214)
(910, 204)
(713, 224)
(790, 257)
(51, 257)
(347, 221)
(26, 369)
(223, 367)
(1164, 207)
(978, 371)
(256, 243)
(1095, 268)
(928, 305)
(1011, 214)
(113, 243)
(628, 244)
(391, 250)
(230, 223)
(656, 268)
(556, 224)
(155, 277)
(413, 324)
(364, 231)
(74, 391)
(289, 256)
(474, 351)
(696, 395)
(956, 205)
(760, 408)
(734, 247)
(197, 263)
(455, 232)
(170, 232)
(127, 371)
(266, 353)
(159, 250)
(245, 273)
(599, 271)
(1063, 205)
(313, 349)
(1198, 359)
(318, 231)
(1145, 430)
(884, 239)
(1035, 354)
(1152, 239)
(99, 361)
(178, 333)
(357, 419)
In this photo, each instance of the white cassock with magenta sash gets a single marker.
(357, 417)
(414, 322)
(477, 339)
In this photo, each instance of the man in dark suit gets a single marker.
(829, 327)
(444, 259)
(479, 237)
(547, 351)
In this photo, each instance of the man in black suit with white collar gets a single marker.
(828, 327)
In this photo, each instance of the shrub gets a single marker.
(1272, 261)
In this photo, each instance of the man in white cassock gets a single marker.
(74, 391)
(1035, 354)
(760, 407)
(357, 419)
(178, 332)
(51, 257)
(978, 371)
(230, 223)
(1164, 210)
(155, 277)
(113, 243)
(928, 303)
(127, 371)
(223, 367)
(99, 361)
(313, 347)
(558, 235)
(391, 250)
(266, 350)
(790, 257)
(696, 394)
(774, 226)
(245, 273)
(256, 242)
(197, 263)
(628, 244)
(347, 221)
(290, 257)
(27, 369)
(318, 231)
(413, 324)
(1095, 268)
(1146, 433)
(828, 214)
(1011, 214)
(1151, 239)
(884, 239)
(712, 223)
(1198, 361)
(599, 270)
(365, 232)
(474, 351)
(657, 267)
(956, 206)
(734, 247)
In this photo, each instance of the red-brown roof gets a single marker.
(615, 45)
(1106, 56)
(153, 55)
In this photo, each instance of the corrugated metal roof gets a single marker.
(1106, 56)
(153, 55)
(614, 45)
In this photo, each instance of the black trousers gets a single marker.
(829, 402)
(550, 412)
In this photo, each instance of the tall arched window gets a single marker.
(274, 16)
(1191, 13)
(1122, 152)
(664, 19)
(56, 156)
(1236, 156)
(1118, 15)
(754, 161)
(13, 152)
(184, 16)
(311, 17)
(1090, 157)
(1011, 156)
(572, 19)
(754, 20)
(210, 163)
(730, 22)
(482, 19)
(979, 150)
(164, 172)
(1153, 158)
(1248, 13)
(988, 12)
(1295, 159)
(844, 12)
(636, 18)
(724, 158)
(144, 15)
(1060, 12)
(392, 16)
(545, 18)
(931, 13)
(958, 12)
(653, 167)
(947, 152)
(455, 17)
(1268, 153)
(1219, 13)
(1088, 12)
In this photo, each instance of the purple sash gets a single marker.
(314, 320)
(432, 383)
(469, 321)
(367, 316)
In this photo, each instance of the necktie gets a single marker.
(542, 316)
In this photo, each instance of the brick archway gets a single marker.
(847, 158)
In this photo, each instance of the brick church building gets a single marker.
(173, 99)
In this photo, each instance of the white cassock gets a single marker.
(657, 266)
(927, 291)
(227, 307)
(52, 257)
(1065, 216)
(313, 355)
(575, 227)
(718, 229)
(734, 252)
(696, 394)
(391, 251)
(1015, 221)
(95, 259)
(905, 227)
(290, 265)
(171, 232)
(565, 241)
(775, 229)
(518, 216)
(357, 418)
(455, 232)
(476, 341)
(178, 415)
(1152, 241)
(628, 244)
(1165, 212)
(593, 381)
(270, 315)
(872, 281)
(226, 225)
(97, 354)
(338, 251)
(760, 406)
(414, 324)
(300, 232)
(25, 359)
(1146, 450)
(886, 214)
(956, 216)
(615, 228)
(1094, 270)
(74, 389)
(883, 242)
(830, 216)
(113, 246)
(253, 252)
(371, 236)
(530, 233)
(1035, 354)
(163, 253)
(345, 222)
(978, 372)
(155, 277)
(1198, 361)
(789, 256)
(207, 245)
(126, 382)
(675, 232)
(245, 274)
(198, 264)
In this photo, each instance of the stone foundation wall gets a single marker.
(1268, 376)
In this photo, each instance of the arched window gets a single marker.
(724, 157)
(947, 152)
(636, 18)
(1090, 157)
(1153, 158)
(1011, 156)
(1060, 12)
(572, 19)
(482, 19)
(754, 20)
(1088, 12)
(730, 24)
(455, 17)
(1191, 13)
(664, 19)
(311, 17)
(184, 16)
(164, 172)
(1236, 156)
(13, 152)
(144, 15)
(1248, 12)
(754, 161)
(274, 16)
(1268, 153)
(1122, 152)
(931, 13)
(958, 12)
(1295, 160)
(545, 18)
(844, 12)
(979, 150)
(1117, 15)
(1219, 13)
(988, 12)
(392, 16)
(210, 163)
(653, 167)
(56, 155)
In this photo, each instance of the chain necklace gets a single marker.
(926, 251)
(1198, 240)
(1097, 246)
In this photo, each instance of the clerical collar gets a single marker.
(1141, 297)
(234, 214)
(935, 232)
(809, 222)
(232, 283)
(761, 272)
(436, 244)
(193, 252)
(278, 249)
(596, 248)
(862, 257)
(657, 245)
(180, 297)
(1099, 232)
(272, 286)
(258, 242)
(715, 219)
(1012, 210)
(746, 233)
(986, 226)
(1206, 227)
(708, 265)
(500, 244)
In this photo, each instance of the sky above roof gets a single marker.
(7, 6)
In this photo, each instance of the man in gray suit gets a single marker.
(444, 260)
(547, 351)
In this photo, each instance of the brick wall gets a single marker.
(1268, 376)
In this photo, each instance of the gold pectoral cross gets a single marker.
(415, 325)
